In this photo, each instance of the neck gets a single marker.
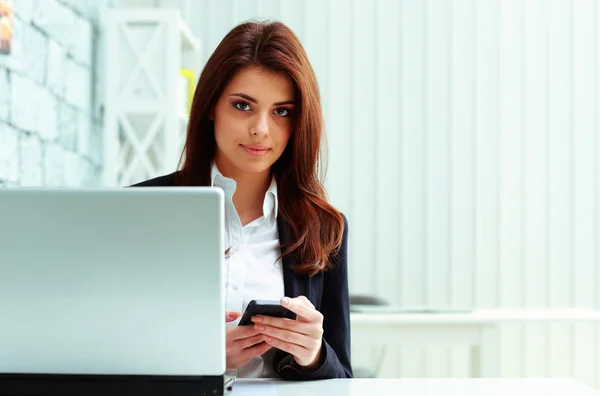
(250, 191)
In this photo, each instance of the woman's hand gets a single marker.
(242, 343)
(302, 338)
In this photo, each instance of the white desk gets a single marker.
(416, 387)
(478, 329)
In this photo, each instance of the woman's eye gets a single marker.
(242, 106)
(282, 112)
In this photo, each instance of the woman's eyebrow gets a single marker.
(251, 99)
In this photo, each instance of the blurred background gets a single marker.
(463, 144)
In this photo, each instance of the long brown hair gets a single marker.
(316, 227)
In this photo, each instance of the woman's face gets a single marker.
(253, 121)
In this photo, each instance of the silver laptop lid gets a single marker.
(125, 281)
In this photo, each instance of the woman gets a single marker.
(255, 131)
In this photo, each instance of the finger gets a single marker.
(306, 301)
(248, 342)
(288, 336)
(255, 350)
(285, 323)
(240, 332)
(301, 309)
(230, 316)
(296, 350)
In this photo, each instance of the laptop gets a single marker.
(112, 291)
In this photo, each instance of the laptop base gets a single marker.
(102, 385)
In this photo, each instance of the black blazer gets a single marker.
(329, 294)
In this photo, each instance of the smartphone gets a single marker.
(262, 307)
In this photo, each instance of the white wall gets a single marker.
(464, 149)
(50, 112)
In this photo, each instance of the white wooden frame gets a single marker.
(129, 147)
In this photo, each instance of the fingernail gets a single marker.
(285, 301)
(259, 327)
(257, 319)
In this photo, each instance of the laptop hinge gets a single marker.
(102, 385)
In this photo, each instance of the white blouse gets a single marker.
(252, 271)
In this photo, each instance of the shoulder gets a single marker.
(339, 259)
(344, 229)
(161, 181)
(345, 224)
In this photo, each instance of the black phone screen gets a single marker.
(262, 307)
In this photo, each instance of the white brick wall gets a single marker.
(24, 10)
(24, 93)
(78, 85)
(34, 108)
(56, 19)
(34, 47)
(46, 115)
(63, 24)
(5, 93)
(12, 61)
(96, 145)
(54, 165)
(50, 107)
(55, 72)
(68, 121)
(84, 129)
(9, 145)
(78, 171)
(30, 149)
(90, 10)
(81, 43)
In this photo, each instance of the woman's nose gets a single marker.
(261, 127)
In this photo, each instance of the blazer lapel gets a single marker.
(294, 284)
